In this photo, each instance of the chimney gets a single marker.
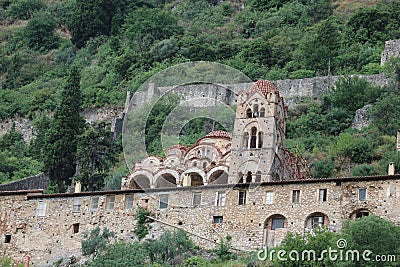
(391, 168)
(78, 187)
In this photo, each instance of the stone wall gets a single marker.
(392, 49)
(39, 181)
(58, 231)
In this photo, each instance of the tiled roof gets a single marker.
(264, 87)
(219, 133)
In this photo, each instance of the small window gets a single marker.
(218, 219)
(220, 199)
(269, 198)
(94, 203)
(362, 194)
(242, 197)
(77, 205)
(197, 199)
(296, 196)
(128, 202)
(322, 195)
(204, 165)
(317, 221)
(7, 238)
(262, 112)
(278, 223)
(75, 227)
(41, 211)
(163, 202)
(110, 202)
(361, 214)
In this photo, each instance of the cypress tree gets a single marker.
(61, 139)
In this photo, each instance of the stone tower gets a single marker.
(257, 152)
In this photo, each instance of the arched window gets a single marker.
(204, 165)
(255, 111)
(245, 143)
(262, 112)
(253, 140)
(249, 113)
(260, 139)
(258, 177)
(249, 177)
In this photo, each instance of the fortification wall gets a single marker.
(48, 227)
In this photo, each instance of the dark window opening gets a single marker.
(249, 113)
(245, 143)
(253, 139)
(262, 112)
(255, 113)
(322, 195)
(76, 228)
(296, 196)
(7, 238)
(278, 223)
(242, 197)
(218, 219)
(362, 214)
(249, 177)
(260, 140)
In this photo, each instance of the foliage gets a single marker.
(223, 248)
(39, 33)
(61, 140)
(168, 246)
(7, 262)
(96, 241)
(96, 154)
(24, 9)
(385, 114)
(90, 19)
(372, 233)
(142, 222)
(120, 254)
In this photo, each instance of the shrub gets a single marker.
(24, 9)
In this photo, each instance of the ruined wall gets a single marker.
(58, 232)
(392, 49)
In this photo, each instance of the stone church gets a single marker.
(254, 153)
(245, 185)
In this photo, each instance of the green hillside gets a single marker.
(117, 45)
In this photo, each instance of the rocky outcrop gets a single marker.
(361, 119)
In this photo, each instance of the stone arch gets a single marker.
(193, 177)
(218, 175)
(275, 228)
(360, 213)
(166, 178)
(275, 221)
(316, 219)
(140, 180)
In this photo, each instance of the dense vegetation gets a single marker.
(370, 233)
(114, 46)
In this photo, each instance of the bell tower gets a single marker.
(257, 153)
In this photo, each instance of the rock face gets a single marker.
(361, 119)
(392, 49)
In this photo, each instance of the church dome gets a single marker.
(219, 134)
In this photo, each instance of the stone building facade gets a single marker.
(246, 185)
(48, 227)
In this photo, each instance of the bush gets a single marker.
(39, 33)
(142, 223)
(96, 242)
(24, 9)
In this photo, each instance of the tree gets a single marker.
(142, 222)
(24, 9)
(168, 246)
(39, 33)
(96, 154)
(96, 242)
(61, 140)
(90, 19)
(385, 114)
(372, 233)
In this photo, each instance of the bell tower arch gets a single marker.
(258, 135)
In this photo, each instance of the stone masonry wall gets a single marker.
(59, 232)
(392, 49)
